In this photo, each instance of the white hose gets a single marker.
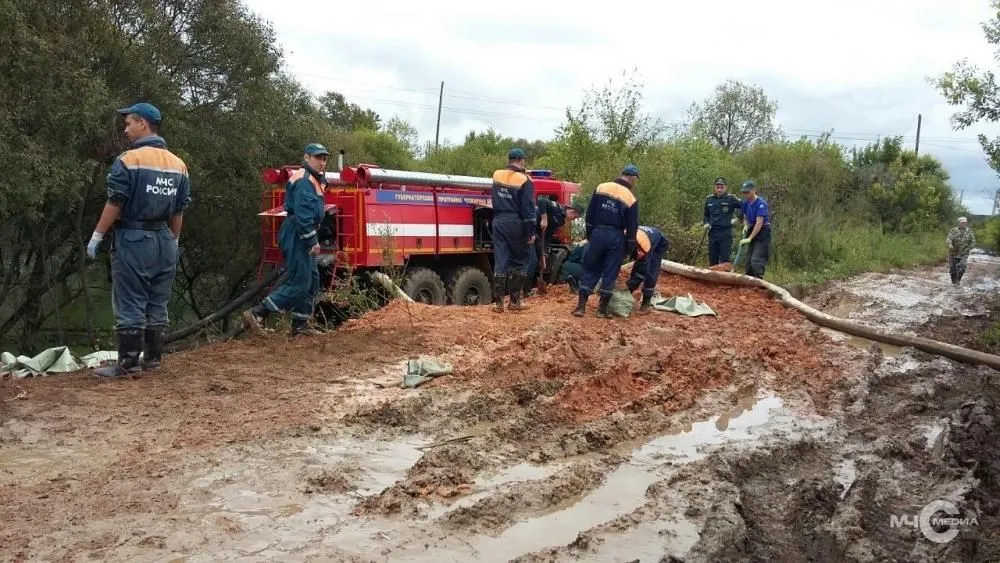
(391, 286)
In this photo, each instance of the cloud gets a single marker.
(858, 67)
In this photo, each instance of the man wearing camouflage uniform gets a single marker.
(960, 242)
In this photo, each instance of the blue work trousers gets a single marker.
(298, 293)
(646, 272)
(602, 260)
(758, 252)
(143, 266)
(511, 251)
(720, 246)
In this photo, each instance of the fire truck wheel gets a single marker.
(425, 286)
(470, 286)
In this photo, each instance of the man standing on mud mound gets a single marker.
(719, 221)
(513, 230)
(651, 247)
(612, 223)
(757, 220)
(299, 244)
(960, 243)
(148, 191)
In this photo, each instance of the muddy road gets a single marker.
(750, 436)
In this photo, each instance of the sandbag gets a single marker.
(622, 303)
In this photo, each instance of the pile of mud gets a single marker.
(592, 367)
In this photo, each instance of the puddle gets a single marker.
(624, 489)
(932, 435)
(241, 517)
(864, 343)
(843, 309)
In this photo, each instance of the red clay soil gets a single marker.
(256, 387)
(607, 365)
(139, 431)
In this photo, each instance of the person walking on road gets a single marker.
(612, 222)
(652, 245)
(148, 191)
(756, 222)
(719, 221)
(960, 241)
(299, 243)
(513, 230)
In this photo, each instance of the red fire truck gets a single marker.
(435, 226)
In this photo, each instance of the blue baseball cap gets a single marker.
(316, 149)
(631, 170)
(143, 110)
(747, 186)
(516, 153)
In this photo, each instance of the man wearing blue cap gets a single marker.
(299, 243)
(513, 230)
(757, 214)
(148, 191)
(719, 221)
(652, 246)
(612, 222)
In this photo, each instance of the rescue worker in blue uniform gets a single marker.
(299, 243)
(571, 270)
(551, 217)
(756, 222)
(719, 221)
(651, 247)
(612, 222)
(513, 230)
(148, 191)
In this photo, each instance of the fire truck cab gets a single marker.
(436, 227)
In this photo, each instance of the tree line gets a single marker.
(231, 109)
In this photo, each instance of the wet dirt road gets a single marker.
(751, 436)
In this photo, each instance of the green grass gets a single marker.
(864, 250)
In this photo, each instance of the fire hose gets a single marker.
(277, 275)
(957, 353)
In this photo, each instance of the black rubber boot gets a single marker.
(517, 286)
(153, 354)
(581, 306)
(130, 345)
(499, 291)
(602, 307)
(647, 305)
(254, 318)
(302, 328)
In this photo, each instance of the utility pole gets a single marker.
(917, 148)
(437, 132)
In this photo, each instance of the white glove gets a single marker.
(706, 226)
(95, 241)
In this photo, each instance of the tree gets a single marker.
(977, 90)
(404, 133)
(613, 114)
(736, 117)
(346, 116)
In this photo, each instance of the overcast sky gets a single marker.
(859, 67)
